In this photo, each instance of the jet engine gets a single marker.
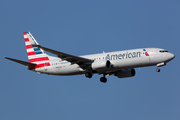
(100, 65)
(125, 73)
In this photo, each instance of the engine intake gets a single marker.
(100, 64)
(125, 73)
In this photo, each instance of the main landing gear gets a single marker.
(103, 79)
(88, 75)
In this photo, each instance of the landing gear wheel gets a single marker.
(88, 74)
(158, 70)
(103, 79)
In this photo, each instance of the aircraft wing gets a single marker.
(70, 58)
(21, 62)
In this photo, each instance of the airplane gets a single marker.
(118, 63)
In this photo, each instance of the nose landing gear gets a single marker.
(159, 65)
(158, 70)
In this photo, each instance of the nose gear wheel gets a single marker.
(158, 70)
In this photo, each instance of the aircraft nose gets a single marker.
(171, 56)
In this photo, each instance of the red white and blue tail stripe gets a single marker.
(35, 54)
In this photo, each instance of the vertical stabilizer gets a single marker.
(35, 54)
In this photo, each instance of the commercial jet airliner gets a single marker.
(118, 63)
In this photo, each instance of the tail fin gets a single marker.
(35, 54)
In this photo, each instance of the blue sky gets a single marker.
(86, 27)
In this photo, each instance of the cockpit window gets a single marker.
(162, 51)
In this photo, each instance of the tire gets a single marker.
(158, 70)
(103, 79)
(88, 75)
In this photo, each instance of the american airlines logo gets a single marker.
(123, 56)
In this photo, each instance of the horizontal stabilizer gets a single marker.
(21, 62)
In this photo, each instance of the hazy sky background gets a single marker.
(82, 27)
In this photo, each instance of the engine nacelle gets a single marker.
(125, 73)
(100, 64)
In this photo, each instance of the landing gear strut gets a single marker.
(103, 79)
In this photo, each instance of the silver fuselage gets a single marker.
(126, 59)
